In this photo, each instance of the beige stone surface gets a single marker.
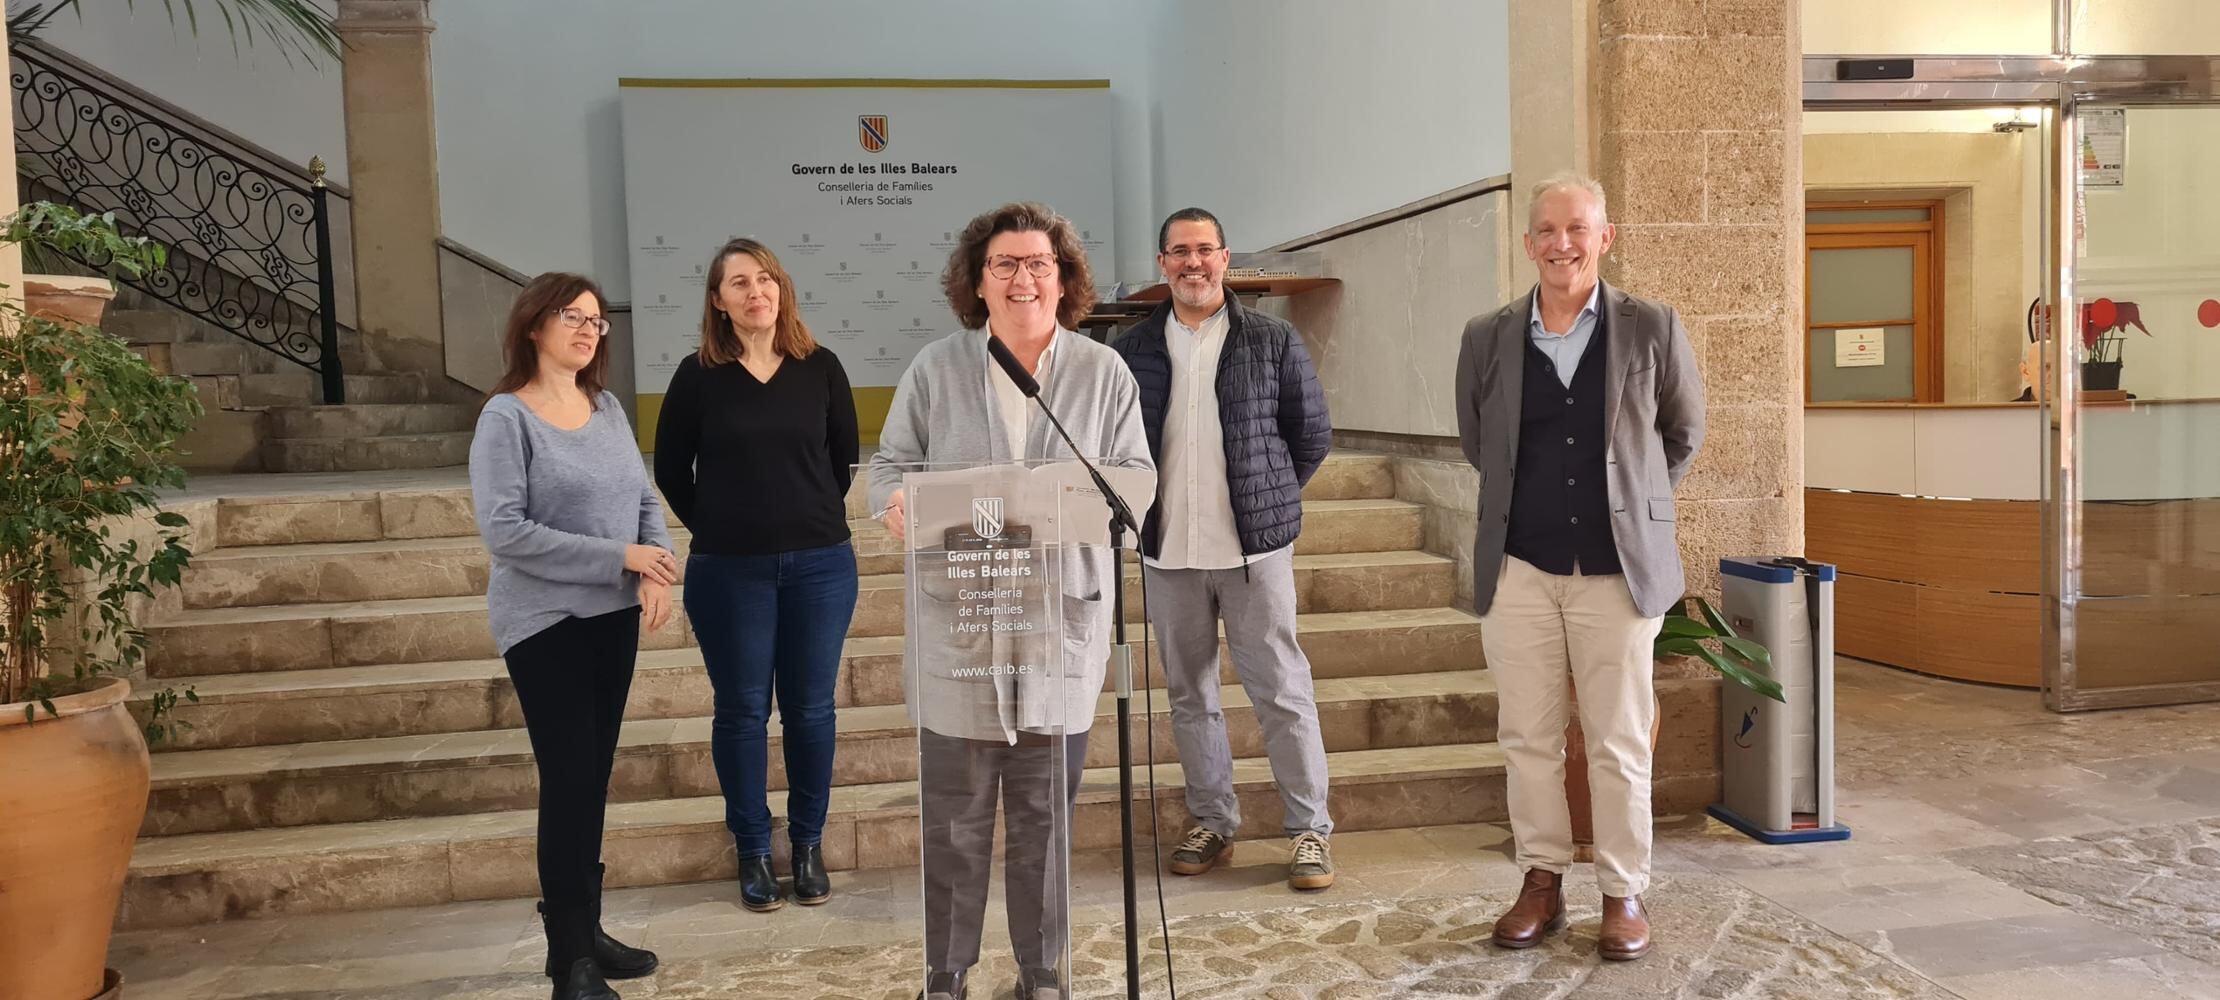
(286, 521)
(393, 174)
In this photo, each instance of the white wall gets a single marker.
(530, 144)
(1890, 27)
(293, 110)
(1286, 117)
(2155, 241)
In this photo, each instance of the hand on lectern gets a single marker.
(894, 517)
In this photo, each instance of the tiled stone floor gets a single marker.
(1999, 852)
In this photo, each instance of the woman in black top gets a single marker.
(754, 452)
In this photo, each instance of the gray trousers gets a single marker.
(958, 785)
(1258, 608)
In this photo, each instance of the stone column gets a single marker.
(11, 259)
(1553, 129)
(1699, 118)
(393, 173)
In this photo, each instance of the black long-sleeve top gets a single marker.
(753, 468)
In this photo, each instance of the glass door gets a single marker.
(2136, 420)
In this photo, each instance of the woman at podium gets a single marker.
(754, 451)
(1019, 275)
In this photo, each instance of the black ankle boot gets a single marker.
(614, 958)
(570, 936)
(759, 887)
(811, 885)
(583, 983)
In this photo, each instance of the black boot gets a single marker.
(614, 958)
(583, 983)
(759, 887)
(570, 937)
(811, 885)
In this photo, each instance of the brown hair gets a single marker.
(539, 300)
(967, 264)
(720, 342)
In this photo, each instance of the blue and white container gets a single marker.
(1777, 759)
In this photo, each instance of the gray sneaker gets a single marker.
(1312, 864)
(1200, 852)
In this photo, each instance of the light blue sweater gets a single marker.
(557, 509)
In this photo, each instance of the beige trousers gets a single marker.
(1541, 632)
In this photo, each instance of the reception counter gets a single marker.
(1934, 516)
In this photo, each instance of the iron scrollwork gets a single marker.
(243, 243)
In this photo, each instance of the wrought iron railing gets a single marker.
(250, 246)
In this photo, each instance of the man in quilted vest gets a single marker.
(1237, 424)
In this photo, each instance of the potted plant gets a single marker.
(87, 433)
(2104, 326)
(1708, 638)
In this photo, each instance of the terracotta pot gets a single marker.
(67, 298)
(71, 800)
(1576, 782)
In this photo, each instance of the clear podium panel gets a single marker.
(1006, 639)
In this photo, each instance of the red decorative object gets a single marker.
(2103, 318)
(2209, 313)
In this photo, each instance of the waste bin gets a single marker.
(1777, 758)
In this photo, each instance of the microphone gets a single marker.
(1120, 514)
(1026, 383)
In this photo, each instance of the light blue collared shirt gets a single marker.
(1564, 350)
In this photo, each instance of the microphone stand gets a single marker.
(1121, 662)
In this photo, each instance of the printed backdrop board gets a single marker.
(859, 186)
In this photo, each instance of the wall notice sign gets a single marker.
(2103, 147)
(1859, 348)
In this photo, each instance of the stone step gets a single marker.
(217, 392)
(365, 420)
(193, 358)
(301, 387)
(371, 515)
(228, 640)
(410, 699)
(210, 791)
(366, 454)
(145, 326)
(456, 567)
(201, 878)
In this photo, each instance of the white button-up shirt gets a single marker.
(1564, 349)
(1195, 508)
(1015, 409)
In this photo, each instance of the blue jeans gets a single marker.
(773, 623)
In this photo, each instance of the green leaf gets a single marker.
(1749, 651)
(171, 519)
(1676, 626)
(1756, 682)
(1711, 615)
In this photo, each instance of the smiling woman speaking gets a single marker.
(1018, 275)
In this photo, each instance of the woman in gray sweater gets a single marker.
(1018, 274)
(581, 561)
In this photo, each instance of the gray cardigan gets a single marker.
(942, 415)
(557, 509)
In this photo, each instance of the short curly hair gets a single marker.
(967, 264)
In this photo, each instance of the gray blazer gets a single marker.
(1654, 420)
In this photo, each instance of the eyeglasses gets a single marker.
(1204, 252)
(1005, 268)
(573, 318)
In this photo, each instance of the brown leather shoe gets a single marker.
(1540, 909)
(1626, 929)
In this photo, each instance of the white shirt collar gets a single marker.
(1534, 313)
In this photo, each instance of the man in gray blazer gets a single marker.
(1581, 406)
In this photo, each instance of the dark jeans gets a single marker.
(959, 783)
(773, 624)
(571, 679)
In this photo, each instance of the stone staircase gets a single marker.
(263, 412)
(356, 744)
